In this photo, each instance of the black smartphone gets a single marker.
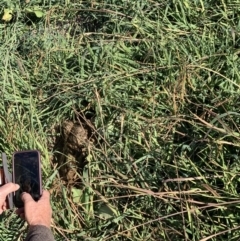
(27, 173)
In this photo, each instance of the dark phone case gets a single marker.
(14, 178)
(7, 178)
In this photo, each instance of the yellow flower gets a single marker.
(7, 16)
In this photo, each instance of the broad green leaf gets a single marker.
(38, 13)
(36, 10)
(105, 212)
(76, 194)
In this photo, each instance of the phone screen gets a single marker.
(27, 174)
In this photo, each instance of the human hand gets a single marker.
(36, 213)
(4, 191)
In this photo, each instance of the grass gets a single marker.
(157, 84)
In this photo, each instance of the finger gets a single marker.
(8, 188)
(26, 197)
(19, 211)
(45, 195)
(4, 206)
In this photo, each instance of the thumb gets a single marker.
(26, 197)
(8, 188)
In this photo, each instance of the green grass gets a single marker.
(158, 84)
